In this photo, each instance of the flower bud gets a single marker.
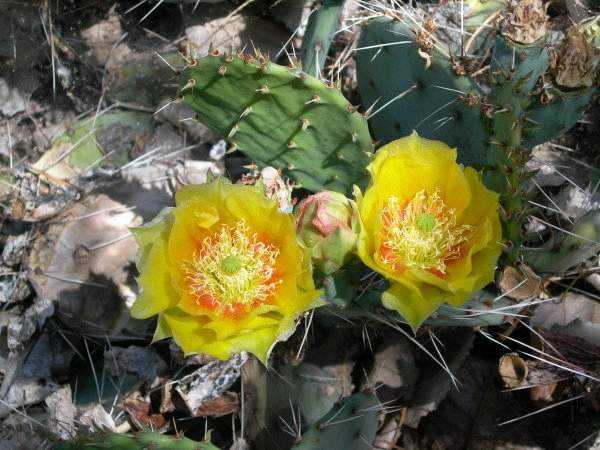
(327, 223)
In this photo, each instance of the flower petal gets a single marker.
(157, 293)
(414, 306)
(146, 235)
(163, 331)
(188, 331)
(418, 164)
(214, 327)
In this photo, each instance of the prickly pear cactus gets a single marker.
(350, 425)
(321, 28)
(281, 117)
(493, 109)
(581, 244)
(140, 441)
(438, 103)
(449, 93)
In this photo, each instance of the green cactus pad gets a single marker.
(514, 72)
(350, 425)
(140, 441)
(321, 28)
(560, 113)
(281, 117)
(437, 108)
(568, 250)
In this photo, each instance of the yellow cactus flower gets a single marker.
(224, 271)
(428, 226)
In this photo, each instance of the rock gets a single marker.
(166, 139)
(225, 33)
(61, 413)
(14, 288)
(141, 361)
(293, 14)
(82, 263)
(182, 116)
(50, 357)
(19, 332)
(102, 37)
(11, 99)
(196, 172)
(14, 248)
(26, 391)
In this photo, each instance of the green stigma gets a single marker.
(426, 222)
(231, 264)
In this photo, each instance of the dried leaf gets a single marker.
(513, 370)
(228, 403)
(140, 412)
(520, 283)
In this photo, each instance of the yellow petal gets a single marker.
(157, 293)
(412, 164)
(414, 306)
(188, 331)
(163, 330)
(210, 192)
(147, 234)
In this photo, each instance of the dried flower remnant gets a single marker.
(526, 21)
(576, 62)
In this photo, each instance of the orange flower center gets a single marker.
(420, 235)
(232, 269)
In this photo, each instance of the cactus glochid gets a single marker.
(280, 116)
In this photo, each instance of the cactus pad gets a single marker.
(139, 441)
(281, 117)
(350, 425)
(441, 104)
(320, 30)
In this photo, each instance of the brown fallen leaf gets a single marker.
(542, 392)
(520, 283)
(227, 403)
(140, 412)
(513, 370)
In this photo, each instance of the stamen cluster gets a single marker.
(421, 234)
(233, 268)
